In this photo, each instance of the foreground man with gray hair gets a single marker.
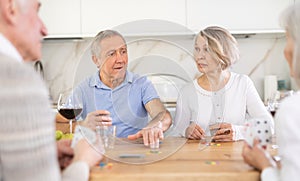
(28, 150)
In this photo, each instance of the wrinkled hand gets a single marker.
(194, 132)
(64, 152)
(256, 156)
(225, 132)
(88, 153)
(150, 135)
(97, 118)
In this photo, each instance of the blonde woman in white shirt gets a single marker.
(288, 115)
(218, 95)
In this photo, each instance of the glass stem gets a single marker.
(71, 126)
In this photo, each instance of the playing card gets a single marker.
(258, 128)
(83, 132)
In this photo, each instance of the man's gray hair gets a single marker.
(95, 47)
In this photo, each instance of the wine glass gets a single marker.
(272, 106)
(69, 105)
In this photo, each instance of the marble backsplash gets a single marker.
(167, 60)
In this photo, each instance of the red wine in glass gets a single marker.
(70, 113)
(273, 112)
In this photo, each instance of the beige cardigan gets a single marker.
(27, 142)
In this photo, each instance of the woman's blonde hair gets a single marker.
(290, 20)
(221, 44)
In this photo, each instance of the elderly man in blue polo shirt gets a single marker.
(116, 96)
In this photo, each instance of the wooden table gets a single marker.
(178, 159)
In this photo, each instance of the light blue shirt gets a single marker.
(126, 103)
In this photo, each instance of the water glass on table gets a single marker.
(107, 135)
(154, 146)
(204, 142)
(213, 128)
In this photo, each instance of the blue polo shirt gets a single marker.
(126, 103)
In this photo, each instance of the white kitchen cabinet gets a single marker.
(73, 18)
(61, 17)
(98, 15)
(236, 15)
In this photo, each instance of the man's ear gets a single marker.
(9, 11)
(95, 60)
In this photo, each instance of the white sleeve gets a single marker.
(78, 171)
(270, 173)
(255, 106)
(288, 138)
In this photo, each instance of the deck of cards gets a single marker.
(260, 129)
(85, 133)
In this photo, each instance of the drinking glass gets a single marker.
(272, 106)
(107, 135)
(69, 105)
(213, 128)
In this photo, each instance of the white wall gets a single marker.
(66, 62)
